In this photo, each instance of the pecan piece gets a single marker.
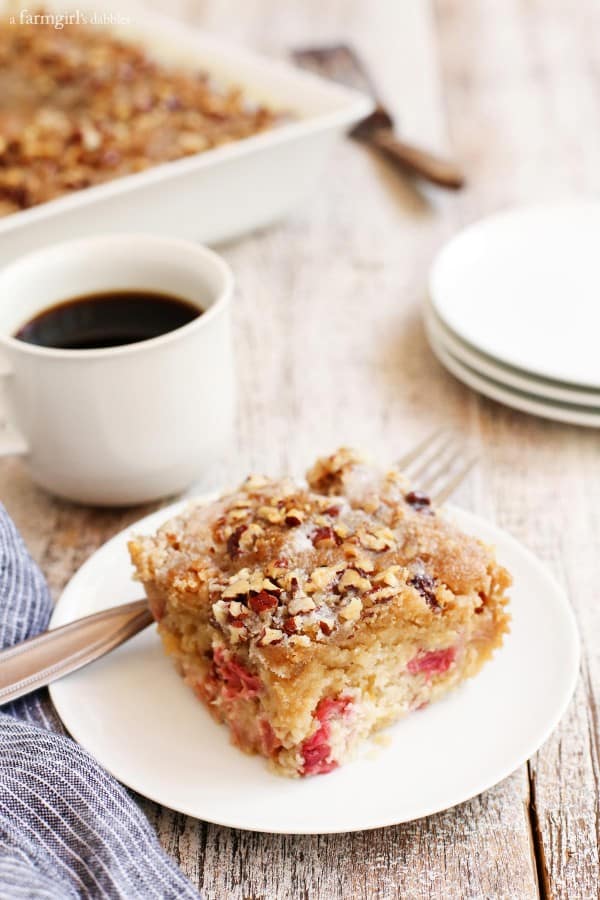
(233, 541)
(352, 611)
(270, 636)
(352, 579)
(237, 588)
(301, 604)
(262, 602)
(294, 517)
(325, 536)
(290, 626)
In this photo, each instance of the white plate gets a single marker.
(145, 726)
(215, 195)
(524, 287)
(524, 402)
(506, 375)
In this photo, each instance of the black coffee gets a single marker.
(107, 320)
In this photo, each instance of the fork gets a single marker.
(437, 465)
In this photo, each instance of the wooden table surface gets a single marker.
(331, 349)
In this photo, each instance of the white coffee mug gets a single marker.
(127, 424)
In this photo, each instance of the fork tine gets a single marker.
(444, 492)
(442, 464)
(438, 464)
(433, 459)
(413, 455)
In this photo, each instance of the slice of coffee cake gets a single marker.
(306, 617)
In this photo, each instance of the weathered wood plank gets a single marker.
(463, 853)
(527, 75)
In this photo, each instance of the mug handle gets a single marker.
(12, 442)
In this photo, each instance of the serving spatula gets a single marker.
(341, 63)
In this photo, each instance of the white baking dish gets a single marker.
(220, 193)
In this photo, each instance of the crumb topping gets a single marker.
(278, 563)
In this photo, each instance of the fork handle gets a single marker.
(443, 172)
(42, 659)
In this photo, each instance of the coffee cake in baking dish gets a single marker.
(79, 107)
(306, 617)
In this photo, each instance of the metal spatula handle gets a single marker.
(48, 656)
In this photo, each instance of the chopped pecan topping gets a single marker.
(364, 564)
(316, 564)
(372, 541)
(255, 482)
(301, 604)
(299, 640)
(389, 576)
(262, 602)
(383, 594)
(277, 569)
(268, 585)
(249, 536)
(352, 611)
(321, 578)
(271, 514)
(238, 588)
(237, 515)
(294, 517)
(173, 541)
(233, 541)
(270, 636)
(220, 612)
(255, 579)
(351, 579)
(290, 626)
(324, 537)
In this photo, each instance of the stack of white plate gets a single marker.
(514, 310)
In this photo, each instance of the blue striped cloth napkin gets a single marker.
(67, 828)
